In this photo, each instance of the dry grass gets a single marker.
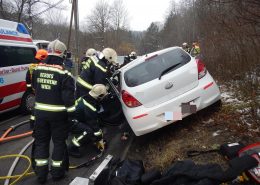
(169, 144)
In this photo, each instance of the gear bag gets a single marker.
(126, 172)
(254, 151)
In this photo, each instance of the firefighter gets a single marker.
(133, 55)
(54, 105)
(129, 58)
(68, 63)
(88, 129)
(195, 50)
(39, 57)
(186, 47)
(89, 53)
(95, 71)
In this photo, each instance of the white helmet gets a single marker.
(57, 48)
(133, 54)
(98, 91)
(184, 44)
(91, 52)
(111, 55)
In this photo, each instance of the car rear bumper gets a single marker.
(143, 120)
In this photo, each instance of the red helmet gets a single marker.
(41, 54)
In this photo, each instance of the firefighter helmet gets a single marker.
(41, 54)
(57, 48)
(98, 91)
(110, 55)
(133, 54)
(184, 44)
(91, 52)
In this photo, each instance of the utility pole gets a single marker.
(76, 22)
(71, 20)
(74, 11)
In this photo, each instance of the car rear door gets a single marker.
(162, 77)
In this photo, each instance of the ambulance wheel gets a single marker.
(27, 103)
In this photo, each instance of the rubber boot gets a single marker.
(57, 173)
(42, 173)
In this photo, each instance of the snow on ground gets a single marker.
(240, 106)
(208, 121)
(229, 97)
(216, 133)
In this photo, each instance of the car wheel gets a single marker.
(27, 103)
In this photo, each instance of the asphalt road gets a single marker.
(116, 147)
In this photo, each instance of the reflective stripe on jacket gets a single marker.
(94, 71)
(54, 89)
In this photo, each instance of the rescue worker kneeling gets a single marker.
(54, 105)
(88, 129)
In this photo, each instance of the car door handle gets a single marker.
(168, 85)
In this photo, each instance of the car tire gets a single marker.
(27, 103)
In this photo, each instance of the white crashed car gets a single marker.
(160, 88)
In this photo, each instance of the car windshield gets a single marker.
(153, 68)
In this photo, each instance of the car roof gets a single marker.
(140, 59)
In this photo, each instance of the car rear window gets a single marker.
(11, 56)
(152, 69)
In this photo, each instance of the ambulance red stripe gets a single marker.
(8, 90)
(8, 37)
(10, 104)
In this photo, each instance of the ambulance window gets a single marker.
(12, 56)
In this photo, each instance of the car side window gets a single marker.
(151, 69)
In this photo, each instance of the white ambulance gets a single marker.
(17, 51)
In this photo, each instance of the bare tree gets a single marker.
(27, 10)
(119, 15)
(99, 19)
(6, 9)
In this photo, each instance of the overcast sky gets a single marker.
(141, 12)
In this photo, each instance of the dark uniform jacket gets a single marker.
(93, 72)
(128, 59)
(54, 90)
(83, 62)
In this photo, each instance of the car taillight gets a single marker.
(129, 100)
(202, 71)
